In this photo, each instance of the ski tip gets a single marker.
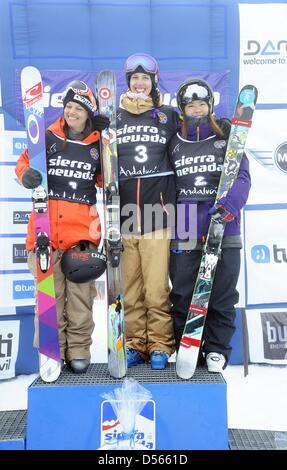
(50, 369)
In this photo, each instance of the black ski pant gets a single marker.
(219, 324)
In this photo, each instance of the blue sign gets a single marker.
(19, 145)
(114, 433)
(23, 289)
(260, 254)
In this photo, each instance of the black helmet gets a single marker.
(79, 92)
(194, 89)
(83, 263)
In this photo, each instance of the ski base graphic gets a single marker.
(33, 103)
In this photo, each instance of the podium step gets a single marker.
(12, 430)
(98, 374)
(189, 414)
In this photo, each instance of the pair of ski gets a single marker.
(49, 350)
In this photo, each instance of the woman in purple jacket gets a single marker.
(197, 154)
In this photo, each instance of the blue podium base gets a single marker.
(189, 414)
(12, 430)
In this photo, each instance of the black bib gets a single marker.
(72, 170)
(197, 166)
(142, 143)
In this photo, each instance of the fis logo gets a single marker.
(262, 254)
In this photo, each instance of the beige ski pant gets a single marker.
(74, 311)
(145, 266)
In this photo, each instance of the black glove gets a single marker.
(31, 178)
(100, 122)
(225, 126)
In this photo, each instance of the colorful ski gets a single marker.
(33, 103)
(106, 94)
(192, 336)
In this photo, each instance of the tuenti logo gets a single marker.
(21, 217)
(23, 289)
(19, 145)
(5, 351)
(274, 327)
(19, 253)
(262, 254)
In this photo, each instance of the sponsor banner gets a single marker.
(15, 254)
(14, 217)
(9, 345)
(267, 332)
(12, 144)
(268, 157)
(263, 51)
(10, 187)
(266, 254)
(54, 83)
(17, 289)
(112, 431)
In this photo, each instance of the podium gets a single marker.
(189, 414)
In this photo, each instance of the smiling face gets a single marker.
(75, 116)
(196, 108)
(141, 83)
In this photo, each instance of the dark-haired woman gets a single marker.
(73, 167)
(197, 154)
(144, 129)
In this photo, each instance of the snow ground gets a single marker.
(257, 401)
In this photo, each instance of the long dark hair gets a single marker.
(89, 127)
(155, 95)
(212, 121)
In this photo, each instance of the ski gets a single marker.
(106, 95)
(192, 335)
(33, 104)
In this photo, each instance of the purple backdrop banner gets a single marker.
(55, 81)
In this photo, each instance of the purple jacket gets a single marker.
(234, 201)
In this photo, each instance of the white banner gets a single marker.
(267, 333)
(17, 289)
(9, 345)
(267, 152)
(263, 52)
(14, 216)
(266, 254)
